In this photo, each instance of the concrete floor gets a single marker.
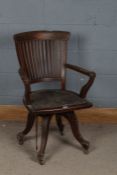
(63, 154)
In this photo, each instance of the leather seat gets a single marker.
(57, 99)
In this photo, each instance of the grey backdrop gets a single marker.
(93, 43)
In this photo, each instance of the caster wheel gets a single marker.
(86, 147)
(62, 133)
(41, 160)
(20, 138)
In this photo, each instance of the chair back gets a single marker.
(42, 55)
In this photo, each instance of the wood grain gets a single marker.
(91, 115)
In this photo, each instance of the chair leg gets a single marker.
(29, 124)
(59, 123)
(75, 129)
(44, 137)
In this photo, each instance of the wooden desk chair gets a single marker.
(42, 57)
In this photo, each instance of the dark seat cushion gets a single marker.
(57, 99)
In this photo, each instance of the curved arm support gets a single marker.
(26, 85)
(90, 74)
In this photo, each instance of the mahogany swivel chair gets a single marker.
(42, 57)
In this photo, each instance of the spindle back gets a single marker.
(42, 55)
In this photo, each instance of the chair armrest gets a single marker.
(90, 74)
(26, 85)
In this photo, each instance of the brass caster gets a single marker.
(62, 133)
(20, 138)
(41, 159)
(86, 146)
